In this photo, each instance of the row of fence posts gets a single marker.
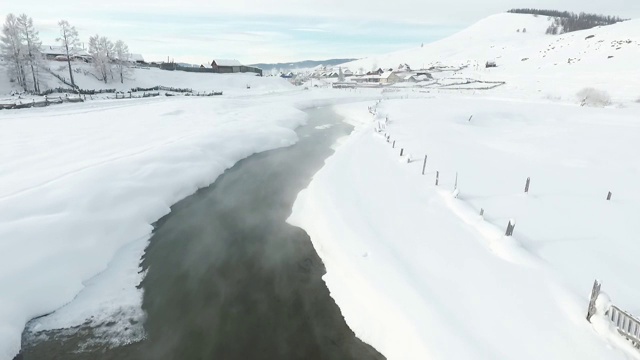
(510, 225)
(626, 324)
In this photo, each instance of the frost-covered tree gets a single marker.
(31, 41)
(101, 50)
(69, 41)
(11, 50)
(122, 56)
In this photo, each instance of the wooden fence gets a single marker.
(627, 325)
(46, 102)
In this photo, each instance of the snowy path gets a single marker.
(437, 282)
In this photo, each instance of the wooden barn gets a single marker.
(225, 66)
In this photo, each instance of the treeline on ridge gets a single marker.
(565, 21)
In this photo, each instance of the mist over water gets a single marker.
(228, 278)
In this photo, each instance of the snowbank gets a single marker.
(420, 274)
(81, 184)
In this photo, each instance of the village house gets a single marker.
(389, 77)
(136, 59)
(226, 65)
(54, 52)
(410, 78)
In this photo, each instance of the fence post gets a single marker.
(424, 164)
(455, 186)
(595, 291)
(510, 227)
(470, 118)
(526, 186)
(609, 196)
(394, 144)
(481, 212)
(401, 152)
(437, 177)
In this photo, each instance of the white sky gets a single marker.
(279, 30)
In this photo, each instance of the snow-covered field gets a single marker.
(420, 274)
(231, 84)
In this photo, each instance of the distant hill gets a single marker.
(306, 64)
(529, 60)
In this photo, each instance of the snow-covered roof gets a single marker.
(136, 57)
(386, 74)
(367, 77)
(227, 62)
(59, 50)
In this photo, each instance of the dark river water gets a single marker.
(228, 278)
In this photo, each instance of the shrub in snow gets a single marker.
(593, 97)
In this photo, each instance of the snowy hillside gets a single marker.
(530, 61)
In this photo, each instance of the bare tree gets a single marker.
(11, 49)
(69, 40)
(122, 59)
(101, 50)
(29, 35)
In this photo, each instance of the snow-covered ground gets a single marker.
(532, 63)
(81, 184)
(420, 274)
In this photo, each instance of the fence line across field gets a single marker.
(626, 324)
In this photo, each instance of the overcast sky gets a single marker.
(251, 31)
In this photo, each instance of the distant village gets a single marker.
(344, 77)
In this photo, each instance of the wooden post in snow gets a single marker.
(424, 164)
(510, 227)
(470, 118)
(609, 196)
(437, 177)
(481, 212)
(394, 144)
(526, 186)
(595, 291)
(455, 186)
(401, 152)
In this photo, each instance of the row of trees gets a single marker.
(565, 21)
(20, 47)
(108, 56)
